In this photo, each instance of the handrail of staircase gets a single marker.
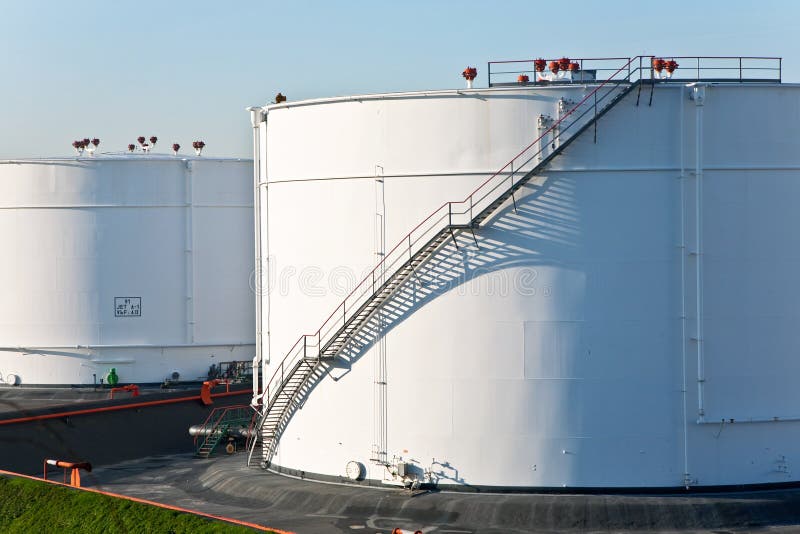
(251, 430)
(552, 127)
(405, 238)
(214, 427)
(445, 212)
(575, 120)
(208, 418)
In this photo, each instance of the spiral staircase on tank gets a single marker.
(306, 360)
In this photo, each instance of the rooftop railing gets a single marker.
(690, 69)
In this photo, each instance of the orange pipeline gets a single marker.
(208, 385)
(116, 408)
(133, 388)
(152, 503)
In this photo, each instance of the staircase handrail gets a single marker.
(251, 429)
(208, 419)
(300, 349)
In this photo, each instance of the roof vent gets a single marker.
(470, 73)
(666, 66)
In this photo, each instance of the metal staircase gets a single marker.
(306, 360)
(221, 423)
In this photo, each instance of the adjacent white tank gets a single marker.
(139, 263)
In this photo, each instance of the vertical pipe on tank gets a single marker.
(255, 121)
(380, 376)
(256, 118)
(189, 254)
(684, 385)
(698, 92)
(266, 304)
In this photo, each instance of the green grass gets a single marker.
(28, 506)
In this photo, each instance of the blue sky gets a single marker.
(186, 70)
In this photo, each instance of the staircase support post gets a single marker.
(513, 198)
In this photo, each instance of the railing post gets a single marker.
(304, 347)
(449, 214)
(698, 69)
(740, 69)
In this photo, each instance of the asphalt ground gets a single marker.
(225, 486)
(145, 453)
(84, 425)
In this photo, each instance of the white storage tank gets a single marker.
(139, 263)
(628, 319)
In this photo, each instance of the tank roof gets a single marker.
(121, 156)
(531, 74)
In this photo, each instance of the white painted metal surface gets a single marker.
(632, 324)
(134, 262)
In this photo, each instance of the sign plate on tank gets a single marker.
(127, 306)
